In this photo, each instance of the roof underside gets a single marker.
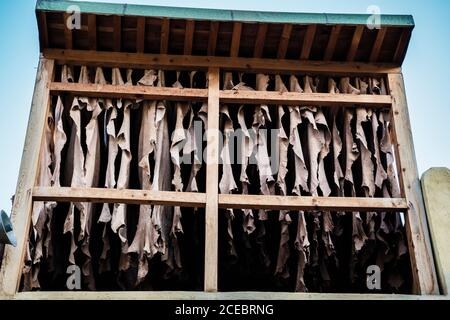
(210, 32)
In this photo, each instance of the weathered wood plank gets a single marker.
(212, 42)
(355, 43)
(329, 51)
(117, 33)
(374, 54)
(236, 39)
(92, 31)
(212, 183)
(140, 35)
(128, 196)
(226, 96)
(424, 273)
(292, 98)
(284, 41)
(308, 42)
(43, 27)
(21, 212)
(165, 31)
(260, 40)
(138, 60)
(132, 92)
(189, 37)
(436, 192)
(239, 201)
(401, 46)
(68, 37)
(192, 295)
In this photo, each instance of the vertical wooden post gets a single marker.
(21, 212)
(212, 183)
(424, 273)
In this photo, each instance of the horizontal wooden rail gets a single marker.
(179, 62)
(128, 196)
(311, 203)
(292, 98)
(131, 92)
(226, 96)
(192, 199)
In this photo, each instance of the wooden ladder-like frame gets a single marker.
(423, 270)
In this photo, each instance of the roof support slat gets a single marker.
(189, 37)
(92, 31)
(43, 34)
(212, 42)
(401, 47)
(68, 39)
(329, 52)
(140, 35)
(308, 42)
(260, 40)
(117, 33)
(355, 43)
(165, 30)
(236, 39)
(284, 41)
(377, 45)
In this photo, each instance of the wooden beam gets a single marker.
(165, 31)
(179, 62)
(329, 51)
(377, 45)
(43, 27)
(402, 46)
(292, 98)
(226, 96)
(436, 192)
(308, 42)
(117, 33)
(21, 211)
(236, 39)
(239, 201)
(225, 296)
(131, 92)
(189, 37)
(213, 33)
(68, 38)
(212, 183)
(423, 271)
(140, 35)
(127, 196)
(355, 43)
(92, 31)
(284, 41)
(260, 40)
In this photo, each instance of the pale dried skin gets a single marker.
(301, 172)
(260, 116)
(77, 162)
(368, 183)
(284, 217)
(302, 246)
(111, 113)
(227, 183)
(194, 146)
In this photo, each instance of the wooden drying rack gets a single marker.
(423, 273)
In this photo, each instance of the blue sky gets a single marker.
(426, 69)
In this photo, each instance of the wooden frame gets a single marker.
(424, 275)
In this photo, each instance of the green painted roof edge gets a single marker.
(221, 15)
